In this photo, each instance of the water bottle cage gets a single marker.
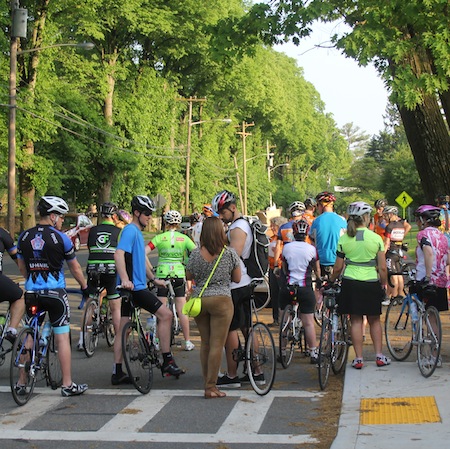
(330, 302)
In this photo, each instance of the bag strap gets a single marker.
(212, 272)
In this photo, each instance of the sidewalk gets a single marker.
(395, 406)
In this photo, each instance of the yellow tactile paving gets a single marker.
(414, 410)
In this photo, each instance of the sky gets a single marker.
(351, 93)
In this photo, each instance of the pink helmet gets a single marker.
(428, 212)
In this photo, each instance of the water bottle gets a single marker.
(335, 323)
(2, 321)
(45, 334)
(151, 327)
(413, 311)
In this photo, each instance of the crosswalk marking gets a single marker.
(242, 424)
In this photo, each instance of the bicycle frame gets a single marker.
(3, 351)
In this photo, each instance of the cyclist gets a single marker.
(432, 256)
(133, 269)
(274, 268)
(102, 243)
(326, 230)
(394, 234)
(11, 292)
(196, 220)
(299, 260)
(173, 249)
(41, 252)
(240, 238)
(362, 263)
(308, 215)
(121, 218)
(379, 223)
(442, 202)
(217, 306)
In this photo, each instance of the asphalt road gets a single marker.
(173, 415)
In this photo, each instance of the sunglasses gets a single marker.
(147, 213)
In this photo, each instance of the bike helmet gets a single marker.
(300, 227)
(325, 197)
(222, 200)
(296, 205)
(380, 203)
(207, 210)
(195, 217)
(108, 209)
(442, 199)
(142, 203)
(427, 212)
(359, 208)
(390, 210)
(172, 217)
(310, 202)
(52, 204)
(124, 216)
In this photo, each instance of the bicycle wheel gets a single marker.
(91, 326)
(340, 347)
(260, 358)
(286, 344)
(318, 312)
(3, 344)
(137, 359)
(108, 328)
(324, 362)
(22, 379)
(429, 342)
(54, 373)
(398, 330)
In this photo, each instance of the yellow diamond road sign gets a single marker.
(404, 200)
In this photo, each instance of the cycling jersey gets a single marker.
(6, 244)
(132, 243)
(300, 258)
(445, 223)
(173, 250)
(44, 249)
(102, 243)
(433, 238)
(325, 232)
(360, 254)
(395, 231)
(285, 233)
(379, 225)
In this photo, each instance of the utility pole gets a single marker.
(244, 135)
(190, 100)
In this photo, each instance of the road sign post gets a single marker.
(404, 200)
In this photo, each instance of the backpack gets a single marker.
(258, 262)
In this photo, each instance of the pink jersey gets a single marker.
(436, 240)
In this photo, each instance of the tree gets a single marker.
(409, 45)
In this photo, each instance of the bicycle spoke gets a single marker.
(22, 375)
(398, 330)
(260, 358)
(108, 328)
(429, 341)
(137, 359)
(324, 363)
(54, 372)
(340, 346)
(91, 326)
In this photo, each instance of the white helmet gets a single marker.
(52, 204)
(172, 217)
(359, 208)
(297, 205)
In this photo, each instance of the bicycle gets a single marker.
(5, 318)
(402, 333)
(259, 353)
(97, 318)
(319, 297)
(139, 350)
(334, 341)
(292, 332)
(176, 326)
(33, 355)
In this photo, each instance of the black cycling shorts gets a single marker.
(55, 302)
(241, 301)
(179, 287)
(393, 262)
(109, 282)
(305, 297)
(10, 291)
(145, 299)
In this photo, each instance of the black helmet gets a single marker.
(108, 209)
(52, 204)
(442, 199)
(380, 203)
(310, 202)
(142, 203)
(300, 227)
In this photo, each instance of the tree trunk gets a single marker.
(429, 140)
(104, 194)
